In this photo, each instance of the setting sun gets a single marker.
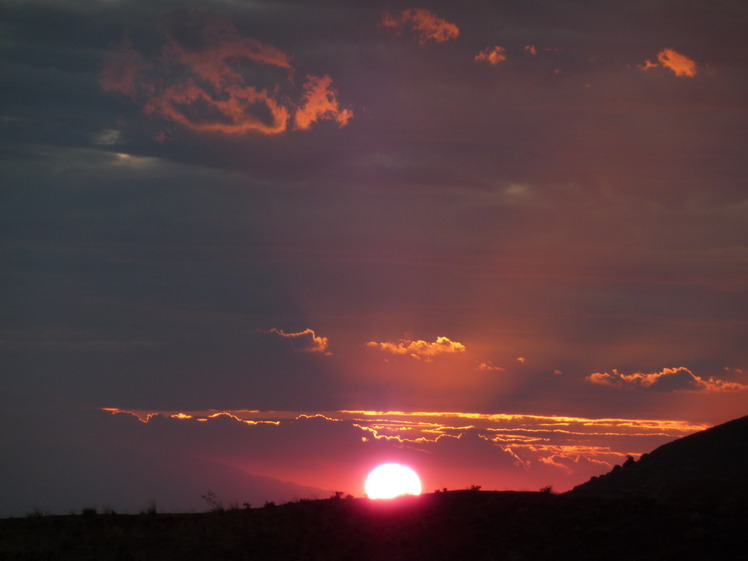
(392, 480)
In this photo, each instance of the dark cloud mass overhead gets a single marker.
(535, 209)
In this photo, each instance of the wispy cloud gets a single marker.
(204, 84)
(306, 340)
(419, 349)
(492, 55)
(488, 366)
(529, 448)
(680, 64)
(422, 23)
(668, 380)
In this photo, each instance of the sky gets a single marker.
(258, 247)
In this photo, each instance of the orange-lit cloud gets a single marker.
(493, 55)
(245, 109)
(572, 448)
(320, 102)
(488, 366)
(420, 349)
(424, 24)
(204, 86)
(669, 380)
(531, 49)
(306, 340)
(681, 65)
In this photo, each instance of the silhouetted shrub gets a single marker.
(150, 509)
(213, 502)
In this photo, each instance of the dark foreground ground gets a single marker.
(457, 525)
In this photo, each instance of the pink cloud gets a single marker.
(668, 380)
(424, 24)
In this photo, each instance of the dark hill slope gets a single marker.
(711, 465)
(451, 526)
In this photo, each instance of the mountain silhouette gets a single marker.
(710, 465)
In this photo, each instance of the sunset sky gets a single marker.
(261, 246)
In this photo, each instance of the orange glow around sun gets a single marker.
(388, 481)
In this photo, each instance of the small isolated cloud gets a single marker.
(306, 341)
(489, 366)
(209, 78)
(421, 350)
(108, 137)
(681, 65)
(521, 359)
(424, 24)
(669, 380)
(531, 49)
(492, 55)
(320, 102)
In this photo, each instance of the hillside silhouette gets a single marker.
(684, 501)
(707, 466)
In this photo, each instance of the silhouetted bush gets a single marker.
(213, 502)
(150, 509)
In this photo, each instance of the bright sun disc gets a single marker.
(392, 480)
